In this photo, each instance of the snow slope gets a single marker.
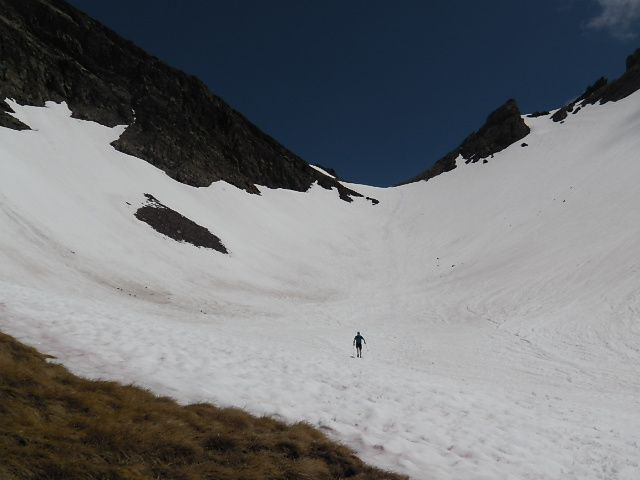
(499, 301)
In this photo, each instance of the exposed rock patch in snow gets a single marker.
(176, 226)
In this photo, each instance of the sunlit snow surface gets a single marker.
(500, 302)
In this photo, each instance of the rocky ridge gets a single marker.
(503, 127)
(603, 91)
(51, 51)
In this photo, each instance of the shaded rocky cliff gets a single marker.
(51, 51)
(603, 91)
(503, 127)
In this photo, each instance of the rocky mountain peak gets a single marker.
(503, 127)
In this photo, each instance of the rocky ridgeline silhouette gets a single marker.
(52, 51)
(502, 128)
(604, 91)
(505, 125)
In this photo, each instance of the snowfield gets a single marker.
(500, 302)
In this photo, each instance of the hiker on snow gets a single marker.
(357, 341)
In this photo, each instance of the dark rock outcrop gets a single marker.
(603, 91)
(620, 88)
(445, 164)
(592, 90)
(10, 121)
(561, 113)
(502, 128)
(176, 226)
(51, 51)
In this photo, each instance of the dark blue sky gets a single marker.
(379, 90)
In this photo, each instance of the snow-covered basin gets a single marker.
(499, 301)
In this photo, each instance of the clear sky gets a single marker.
(379, 90)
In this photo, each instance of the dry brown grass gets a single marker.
(56, 426)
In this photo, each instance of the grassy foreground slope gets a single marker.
(54, 425)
